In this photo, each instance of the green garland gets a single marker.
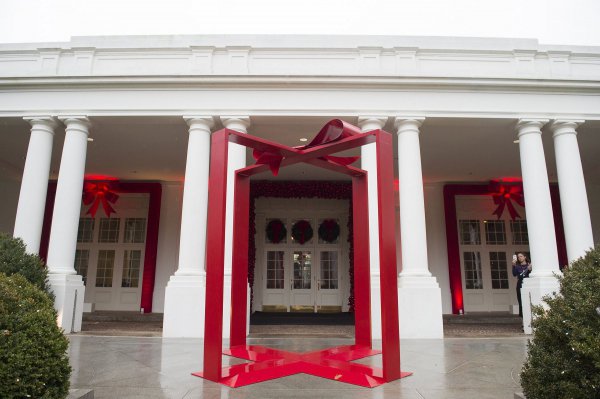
(329, 230)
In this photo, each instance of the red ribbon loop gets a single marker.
(504, 194)
(333, 131)
(99, 193)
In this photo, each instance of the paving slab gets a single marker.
(155, 367)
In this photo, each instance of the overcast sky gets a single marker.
(549, 21)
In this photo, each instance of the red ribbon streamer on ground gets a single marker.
(333, 131)
(99, 193)
(504, 194)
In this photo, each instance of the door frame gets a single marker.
(152, 228)
(452, 242)
(288, 248)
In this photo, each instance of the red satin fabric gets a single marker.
(504, 194)
(99, 193)
(333, 131)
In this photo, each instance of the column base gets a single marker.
(375, 307)
(420, 307)
(184, 307)
(69, 292)
(532, 292)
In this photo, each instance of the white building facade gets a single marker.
(127, 122)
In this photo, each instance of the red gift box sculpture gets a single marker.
(333, 363)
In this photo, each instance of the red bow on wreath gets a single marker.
(302, 231)
(504, 194)
(333, 131)
(96, 193)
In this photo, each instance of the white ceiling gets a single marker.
(154, 148)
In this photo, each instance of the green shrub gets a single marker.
(15, 259)
(33, 358)
(563, 359)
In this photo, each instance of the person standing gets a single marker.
(521, 269)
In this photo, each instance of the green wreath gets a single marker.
(329, 230)
(302, 231)
(276, 231)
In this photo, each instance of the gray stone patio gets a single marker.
(154, 367)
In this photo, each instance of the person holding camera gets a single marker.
(521, 269)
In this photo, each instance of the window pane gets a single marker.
(131, 268)
(135, 230)
(518, 228)
(495, 232)
(82, 259)
(275, 272)
(302, 270)
(499, 269)
(329, 270)
(109, 230)
(105, 266)
(85, 232)
(469, 232)
(473, 278)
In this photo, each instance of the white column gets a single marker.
(420, 297)
(236, 159)
(34, 184)
(186, 291)
(66, 284)
(368, 162)
(571, 184)
(412, 201)
(540, 221)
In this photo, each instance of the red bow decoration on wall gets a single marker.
(504, 193)
(333, 131)
(96, 193)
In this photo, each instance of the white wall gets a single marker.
(168, 241)
(436, 241)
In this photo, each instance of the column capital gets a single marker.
(47, 123)
(408, 123)
(76, 122)
(528, 126)
(237, 123)
(199, 122)
(565, 126)
(368, 123)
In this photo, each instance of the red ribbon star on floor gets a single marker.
(332, 363)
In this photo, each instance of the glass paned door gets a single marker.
(110, 258)
(328, 287)
(302, 270)
(275, 287)
(275, 270)
(487, 246)
(297, 277)
(302, 297)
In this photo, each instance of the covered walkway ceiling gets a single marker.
(154, 147)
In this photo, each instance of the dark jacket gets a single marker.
(521, 271)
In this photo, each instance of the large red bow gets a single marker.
(96, 193)
(504, 194)
(333, 131)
